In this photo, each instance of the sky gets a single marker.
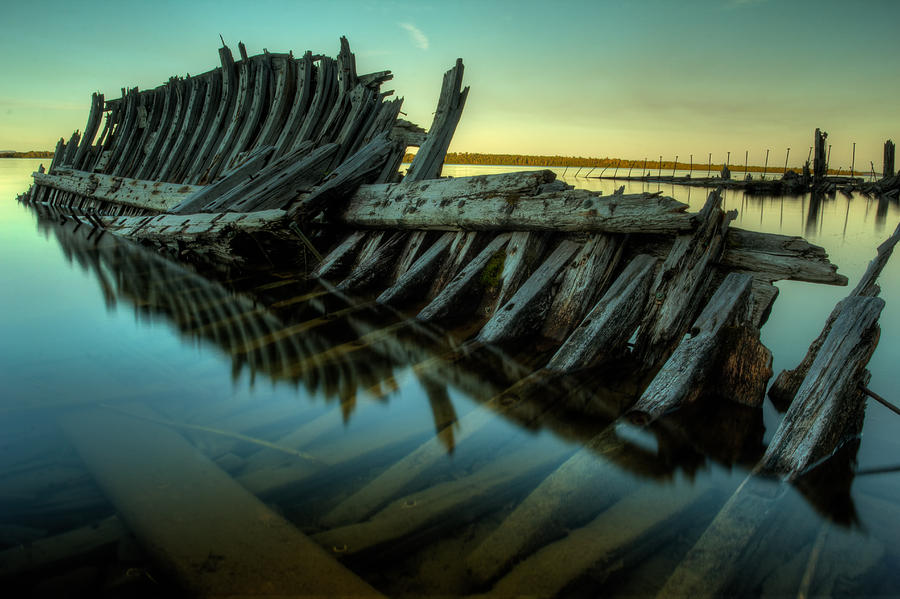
(626, 79)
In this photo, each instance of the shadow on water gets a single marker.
(512, 463)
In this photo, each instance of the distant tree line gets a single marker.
(28, 154)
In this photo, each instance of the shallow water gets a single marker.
(93, 324)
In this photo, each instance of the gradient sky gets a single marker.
(627, 79)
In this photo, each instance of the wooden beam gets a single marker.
(148, 195)
(511, 202)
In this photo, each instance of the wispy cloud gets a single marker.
(416, 35)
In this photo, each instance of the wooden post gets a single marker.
(786, 155)
(674, 165)
(888, 169)
(709, 165)
(692, 165)
(853, 160)
(819, 160)
(766, 165)
(659, 167)
(645, 166)
(746, 162)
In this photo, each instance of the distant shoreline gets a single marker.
(28, 154)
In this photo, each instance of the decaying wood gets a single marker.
(786, 384)
(508, 202)
(696, 360)
(375, 265)
(466, 283)
(430, 158)
(236, 176)
(611, 322)
(148, 195)
(582, 284)
(219, 540)
(548, 571)
(471, 495)
(524, 311)
(341, 256)
(777, 257)
(416, 278)
(681, 280)
(829, 406)
(583, 485)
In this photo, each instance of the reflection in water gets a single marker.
(523, 446)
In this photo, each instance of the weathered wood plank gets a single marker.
(524, 312)
(277, 185)
(471, 495)
(284, 71)
(829, 406)
(149, 195)
(375, 265)
(145, 469)
(482, 203)
(243, 99)
(345, 179)
(429, 159)
(548, 571)
(583, 283)
(680, 282)
(250, 123)
(694, 362)
(239, 175)
(90, 132)
(416, 279)
(611, 322)
(788, 382)
(574, 492)
(778, 257)
(340, 257)
(304, 81)
(224, 115)
(450, 301)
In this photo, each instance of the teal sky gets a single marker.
(606, 78)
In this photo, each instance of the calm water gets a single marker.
(93, 326)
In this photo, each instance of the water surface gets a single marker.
(92, 323)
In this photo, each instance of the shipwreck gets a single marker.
(283, 159)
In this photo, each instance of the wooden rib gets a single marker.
(239, 175)
(179, 169)
(339, 257)
(449, 302)
(375, 265)
(415, 280)
(124, 131)
(223, 117)
(687, 371)
(189, 125)
(522, 314)
(90, 132)
(429, 159)
(321, 103)
(303, 72)
(243, 99)
(284, 69)
(179, 116)
(583, 283)
(611, 322)
(262, 74)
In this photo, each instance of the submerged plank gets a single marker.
(218, 539)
